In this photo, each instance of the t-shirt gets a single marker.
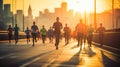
(90, 31)
(79, 28)
(66, 30)
(101, 30)
(43, 31)
(57, 26)
(16, 30)
(27, 32)
(10, 31)
(34, 29)
(50, 32)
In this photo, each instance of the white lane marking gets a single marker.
(51, 61)
(2, 57)
(12, 57)
(30, 62)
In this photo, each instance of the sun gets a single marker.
(81, 5)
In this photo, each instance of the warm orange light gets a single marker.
(81, 5)
(76, 5)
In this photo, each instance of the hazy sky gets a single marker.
(76, 5)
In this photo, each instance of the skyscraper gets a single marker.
(64, 7)
(29, 18)
(7, 15)
(1, 9)
(6, 10)
(19, 19)
(1, 5)
(30, 11)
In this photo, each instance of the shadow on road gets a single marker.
(85, 50)
(77, 59)
(89, 51)
(74, 61)
(75, 46)
(19, 62)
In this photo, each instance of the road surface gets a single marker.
(45, 55)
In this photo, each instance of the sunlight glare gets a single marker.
(81, 5)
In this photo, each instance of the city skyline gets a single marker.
(48, 17)
(74, 5)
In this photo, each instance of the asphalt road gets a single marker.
(45, 55)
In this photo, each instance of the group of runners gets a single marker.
(82, 33)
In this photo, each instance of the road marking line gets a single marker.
(30, 62)
(2, 57)
(12, 57)
(46, 65)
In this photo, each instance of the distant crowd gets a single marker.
(82, 33)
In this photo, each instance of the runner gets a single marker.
(34, 29)
(27, 31)
(57, 26)
(67, 32)
(50, 34)
(16, 33)
(101, 31)
(43, 33)
(79, 31)
(10, 33)
(90, 35)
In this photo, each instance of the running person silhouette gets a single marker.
(79, 31)
(27, 32)
(43, 32)
(57, 27)
(10, 33)
(101, 31)
(67, 32)
(90, 31)
(50, 34)
(34, 29)
(16, 33)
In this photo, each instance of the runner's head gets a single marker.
(27, 28)
(15, 25)
(90, 25)
(9, 26)
(50, 27)
(80, 21)
(33, 22)
(100, 24)
(57, 18)
(43, 26)
(66, 25)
